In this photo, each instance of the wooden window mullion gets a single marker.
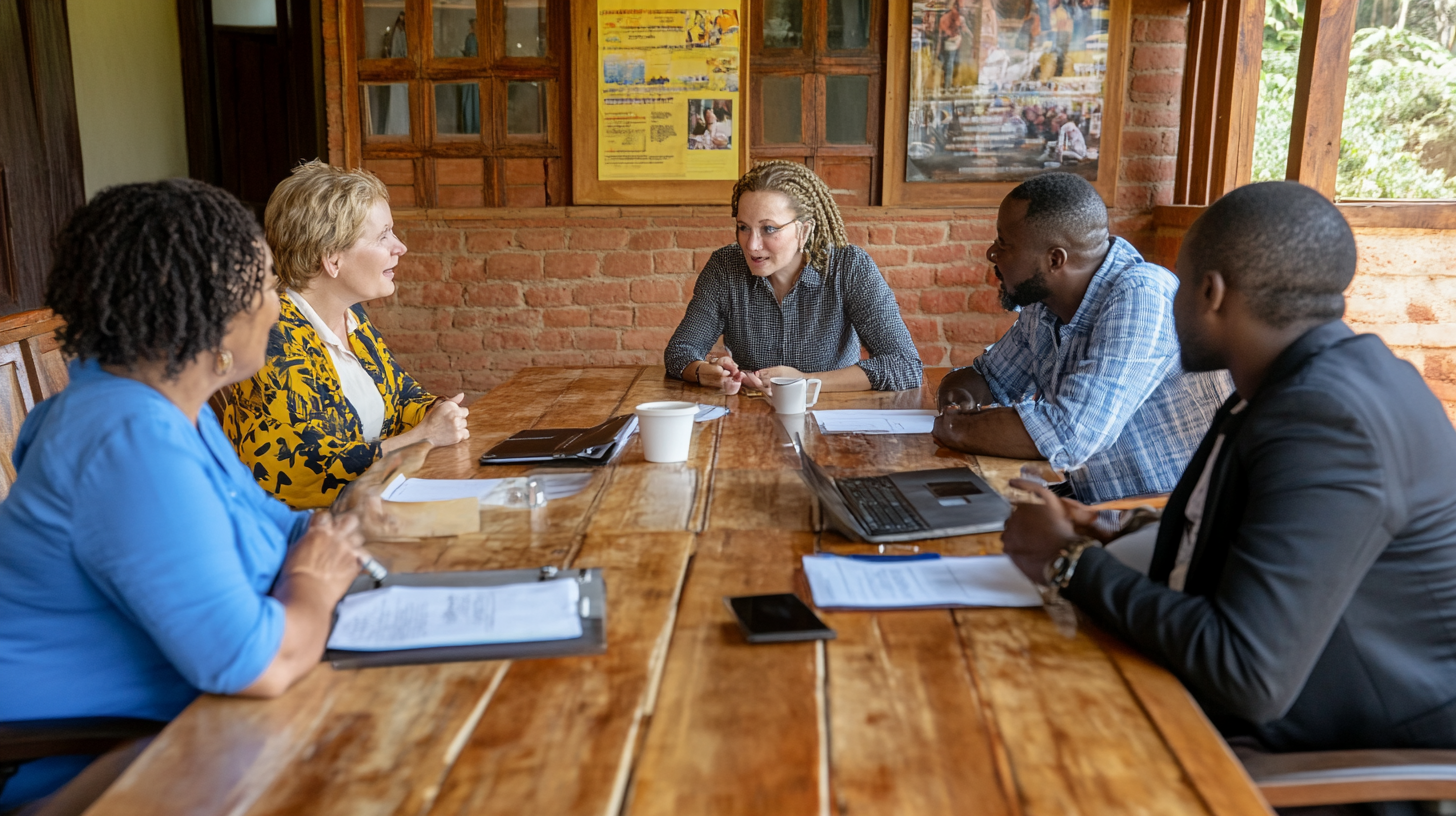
(1319, 93)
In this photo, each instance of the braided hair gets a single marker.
(810, 199)
(154, 272)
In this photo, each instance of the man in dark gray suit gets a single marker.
(1303, 582)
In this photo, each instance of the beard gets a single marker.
(1032, 290)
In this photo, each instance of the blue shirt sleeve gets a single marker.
(1008, 364)
(1129, 354)
(162, 545)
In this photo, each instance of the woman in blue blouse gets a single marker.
(140, 563)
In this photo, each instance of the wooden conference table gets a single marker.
(985, 711)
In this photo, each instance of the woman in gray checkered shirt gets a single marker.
(792, 298)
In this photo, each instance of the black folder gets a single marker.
(593, 610)
(568, 446)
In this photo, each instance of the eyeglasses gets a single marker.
(766, 233)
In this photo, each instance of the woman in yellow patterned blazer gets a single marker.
(331, 398)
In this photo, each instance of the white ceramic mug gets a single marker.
(790, 394)
(667, 430)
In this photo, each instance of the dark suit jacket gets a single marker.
(1320, 606)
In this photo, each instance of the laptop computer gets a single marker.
(906, 506)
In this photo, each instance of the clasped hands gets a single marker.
(721, 371)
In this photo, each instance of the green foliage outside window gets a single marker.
(1398, 139)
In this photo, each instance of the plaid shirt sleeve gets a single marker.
(702, 325)
(1129, 354)
(1008, 364)
(893, 364)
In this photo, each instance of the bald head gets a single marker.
(1281, 244)
(1063, 209)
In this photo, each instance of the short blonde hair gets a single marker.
(318, 211)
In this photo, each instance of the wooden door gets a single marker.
(40, 146)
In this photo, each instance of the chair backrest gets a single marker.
(32, 368)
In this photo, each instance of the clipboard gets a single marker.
(593, 638)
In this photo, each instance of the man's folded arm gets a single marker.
(1314, 522)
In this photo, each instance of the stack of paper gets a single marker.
(427, 490)
(875, 422)
(402, 617)
(892, 582)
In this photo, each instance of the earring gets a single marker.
(224, 362)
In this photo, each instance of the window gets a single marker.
(816, 80)
(461, 103)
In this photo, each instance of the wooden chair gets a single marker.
(32, 368)
(1347, 777)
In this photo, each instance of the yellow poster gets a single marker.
(668, 102)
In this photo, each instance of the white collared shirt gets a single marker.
(359, 388)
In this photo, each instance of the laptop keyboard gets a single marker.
(879, 506)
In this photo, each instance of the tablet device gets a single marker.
(777, 619)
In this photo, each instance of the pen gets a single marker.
(375, 569)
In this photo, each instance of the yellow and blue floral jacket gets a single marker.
(292, 424)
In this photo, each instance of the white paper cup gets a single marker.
(667, 430)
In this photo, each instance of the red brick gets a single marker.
(923, 329)
(541, 238)
(961, 356)
(414, 267)
(931, 355)
(566, 318)
(528, 317)
(585, 238)
(545, 296)
(658, 316)
(650, 239)
(432, 240)
(441, 294)
(909, 302)
(627, 264)
(1156, 87)
(1168, 31)
(1158, 116)
(656, 291)
(910, 277)
(443, 382)
(554, 340)
(467, 270)
(1158, 57)
(882, 234)
(428, 361)
(569, 359)
(705, 238)
(963, 275)
(701, 258)
(986, 300)
(491, 240)
(468, 318)
(672, 261)
(942, 301)
(460, 341)
(493, 294)
(508, 339)
(1420, 313)
(1134, 196)
(482, 381)
(974, 328)
(412, 342)
(943, 254)
(612, 318)
(890, 256)
(920, 234)
(591, 294)
(858, 234)
(1148, 170)
(650, 339)
(596, 339)
(571, 264)
(513, 266)
(1141, 143)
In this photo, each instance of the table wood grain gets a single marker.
(986, 711)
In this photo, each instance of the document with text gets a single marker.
(875, 422)
(404, 617)
(870, 582)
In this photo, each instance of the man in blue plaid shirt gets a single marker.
(1089, 376)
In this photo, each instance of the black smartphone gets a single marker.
(777, 619)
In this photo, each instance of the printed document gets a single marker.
(891, 583)
(426, 490)
(875, 422)
(404, 617)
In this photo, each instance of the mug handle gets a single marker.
(818, 384)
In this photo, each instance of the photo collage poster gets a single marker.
(1003, 89)
(668, 95)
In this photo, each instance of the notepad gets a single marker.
(876, 422)
(427, 490)
(413, 617)
(869, 582)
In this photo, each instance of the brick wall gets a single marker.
(486, 292)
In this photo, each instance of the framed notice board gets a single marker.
(660, 100)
